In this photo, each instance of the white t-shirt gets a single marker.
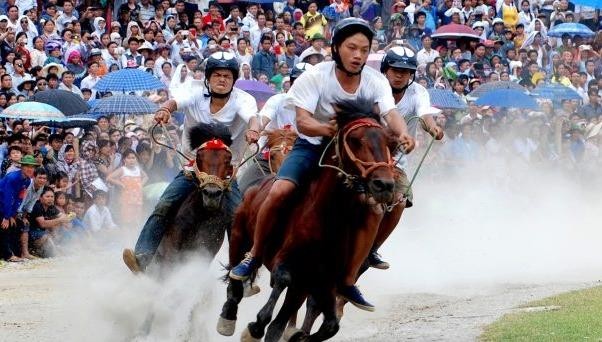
(416, 101)
(317, 90)
(237, 112)
(279, 115)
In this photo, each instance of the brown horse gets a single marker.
(310, 250)
(279, 143)
(201, 220)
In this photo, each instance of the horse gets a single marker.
(279, 143)
(201, 220)
(319, 226)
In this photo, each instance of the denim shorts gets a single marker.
(36, 234)
(301, 163)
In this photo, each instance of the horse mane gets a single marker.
(350, 110)
(277, 136)
(202, 132)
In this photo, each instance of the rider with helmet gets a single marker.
(413, 101)
(274, 115)
(313, 96)
(218, 101)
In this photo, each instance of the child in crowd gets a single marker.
(98, 217)
(13, 161)
(130, 178)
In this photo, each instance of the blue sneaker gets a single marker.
(353, 295)
(374, 260)
(243, 270)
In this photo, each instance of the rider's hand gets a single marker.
(436, 132)
(332, 128)
(407, 141)
(251, 136)
(5, 224)
(162, 115)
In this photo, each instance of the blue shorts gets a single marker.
(36, 234)
(301, 163)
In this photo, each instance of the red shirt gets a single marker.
(208, 20)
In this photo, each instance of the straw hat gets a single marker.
(46, 67)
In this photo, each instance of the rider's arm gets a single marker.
(431, 127)
(163, 114)
(307, 125)
(396, 123)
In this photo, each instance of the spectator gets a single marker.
(98, 217)
(264, 61)
(45, 220)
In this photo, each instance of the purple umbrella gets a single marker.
(260, 91)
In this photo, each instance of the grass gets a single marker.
(578, 318)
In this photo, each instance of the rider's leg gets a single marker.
(232, 200)
(362, 244)
(391, 219)
(154, 228)
(296, 169)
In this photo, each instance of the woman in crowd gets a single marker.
(130, 179)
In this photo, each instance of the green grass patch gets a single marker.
(578, 318)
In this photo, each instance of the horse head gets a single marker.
(364, 147)
(279, 143)
(213, 161)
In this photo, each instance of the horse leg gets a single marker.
(293, 300)
(312, 312)
(281, 279)
(330, 326)
(226, 323)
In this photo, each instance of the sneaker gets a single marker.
(130, 260)
(353, 295)
(375, 261)
(243, 270)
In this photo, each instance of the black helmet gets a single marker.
(399, 57)
(350, 26)
(222, 60)
(344, 29)
(298, 69)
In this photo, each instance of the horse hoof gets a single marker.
(226, 327)
(247, 337)
(292, 334)
(251, 290)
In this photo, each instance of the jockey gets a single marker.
(224, 104)
(274, 115)
(399, 67)
(313, 96)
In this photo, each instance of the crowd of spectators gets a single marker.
(56, 184)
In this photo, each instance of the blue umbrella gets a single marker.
(507, 98)
(129, 79)
(555, 91)
(444, 98)
(260, 91)
(32, 111)
(123, 104)
(573, 29)
(67, 102)
(483, 88)
(590, 3)
(81, 120)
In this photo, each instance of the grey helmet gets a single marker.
(344, 29)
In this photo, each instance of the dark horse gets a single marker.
(310, 250)
(201, 221)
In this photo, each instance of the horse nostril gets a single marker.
(380, 185)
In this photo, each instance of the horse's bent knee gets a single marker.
(280, 191)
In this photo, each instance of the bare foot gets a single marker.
(29, 256)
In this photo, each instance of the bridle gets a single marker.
(365, 167)
(206, 179)
(282, 147)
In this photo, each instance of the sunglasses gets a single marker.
(19, 65)
(42, 84)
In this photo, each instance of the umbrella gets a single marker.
(444, 98)
(128, 79)
(66, 101)
(82, 120)
(482, 89)
(507, 98)
(260, 91)
(573, 29)
(554, 91)
(32, 111)
(123, 104)
(455, 31)
(590, 3)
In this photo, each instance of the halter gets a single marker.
(205, 178)
(365, 168)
